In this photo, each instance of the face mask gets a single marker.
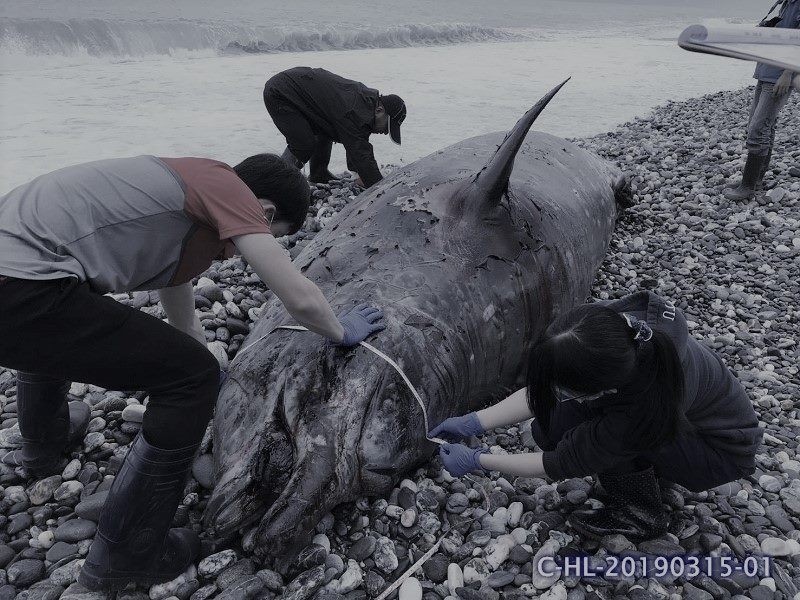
(564, 394)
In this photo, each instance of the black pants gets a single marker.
(62, 331)
(304, 141)
(688, 460)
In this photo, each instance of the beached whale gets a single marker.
(470, 252)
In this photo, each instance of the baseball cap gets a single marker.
(396, 110)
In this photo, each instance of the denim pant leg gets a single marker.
(764, 118)
(754, 104)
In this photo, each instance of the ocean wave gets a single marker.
(392, 37)
(99, 37)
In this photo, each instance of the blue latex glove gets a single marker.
(223, 377)
(359, 323)
(459, 460)
(458, 428)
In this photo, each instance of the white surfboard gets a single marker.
(775, 46)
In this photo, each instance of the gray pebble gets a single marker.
(91, 507)
(362, 549)
(75, 530)
(203, 470)
(25, 572)
(213, 565)
(61, 550)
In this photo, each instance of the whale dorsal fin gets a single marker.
(490, 183)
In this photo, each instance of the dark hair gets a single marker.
(591, 349)
(269, 177)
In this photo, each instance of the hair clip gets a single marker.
(643, 331)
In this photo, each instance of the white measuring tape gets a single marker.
(424, 558)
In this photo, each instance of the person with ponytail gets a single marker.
(620, 390)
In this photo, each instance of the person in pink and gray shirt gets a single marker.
(143, 223)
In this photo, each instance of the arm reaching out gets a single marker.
(302, 299)
(361, 159)
(459, 460)
(513, 409)
(178, 303)
(520, 465)
(507, 412)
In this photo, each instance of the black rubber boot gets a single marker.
(134, 542)
(290, 158)
(754, 170)
(47, 423)
(761, 185)
(319, 161)
(634, 508)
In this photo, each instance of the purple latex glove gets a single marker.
(457, 428)
(459, 460)
(359, 323)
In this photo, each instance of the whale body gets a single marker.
(470, 252)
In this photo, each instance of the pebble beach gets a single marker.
(734, 269)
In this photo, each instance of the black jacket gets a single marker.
(716, 404)
(339, 108)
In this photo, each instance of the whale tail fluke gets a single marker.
(491, 182)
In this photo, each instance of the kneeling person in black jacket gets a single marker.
(620, 389)
(313, 108)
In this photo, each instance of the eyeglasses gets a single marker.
(564, 394)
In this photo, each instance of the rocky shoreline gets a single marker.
(733, 269)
